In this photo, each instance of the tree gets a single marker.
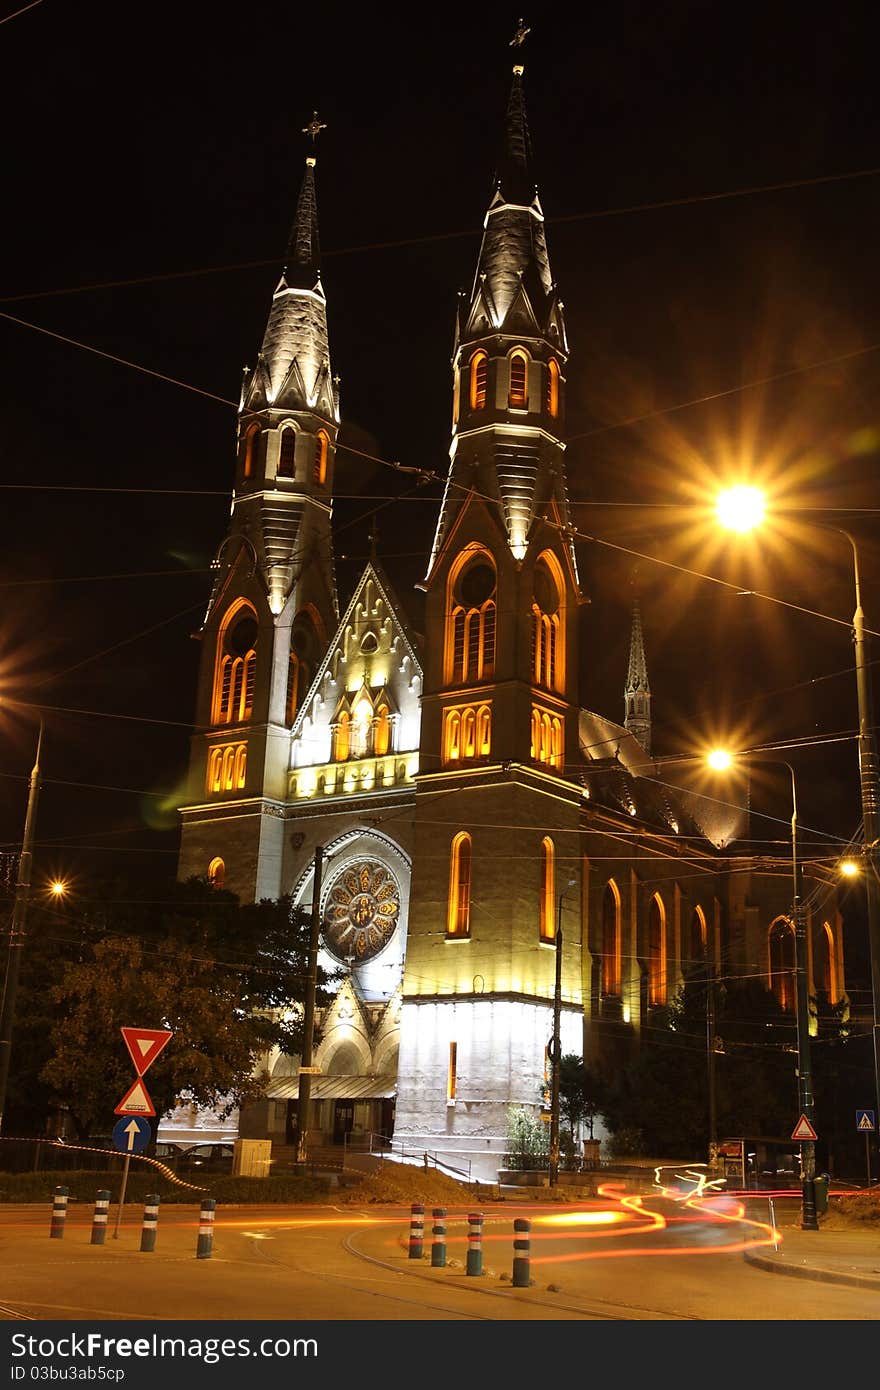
(225, 978)
(580, 1094)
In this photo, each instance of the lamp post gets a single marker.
(17, 927)
(556, 1045)
(305, 1069)
(741, 509)
(806, 1100)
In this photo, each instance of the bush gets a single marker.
(627, 1142)
(528, 1140)
(40, 1187)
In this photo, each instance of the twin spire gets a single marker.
(293, 367)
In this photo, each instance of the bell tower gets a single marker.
(497, 815)
(274, 604)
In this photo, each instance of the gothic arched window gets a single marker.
(553, 388)
(547, 927)
(828, 964)
(236, 670)
(322, 449)
(381, 737)
(251, 451)
(471, 621)
(656, 951)
(611, 952)
(479, 376)
(458, 914)
(781, 948)
(518, 393)
(548, 632)
(216, 873)
(286, 453)
(343, 737)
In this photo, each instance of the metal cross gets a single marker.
(520, 35)
(314, 127)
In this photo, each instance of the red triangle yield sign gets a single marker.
(144, 1045)
(136, 1101)
(804, 1130)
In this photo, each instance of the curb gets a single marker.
(824, 1276)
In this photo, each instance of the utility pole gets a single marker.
(710, 1056)
(557, 1047)
(17, 927)
(305, 1075)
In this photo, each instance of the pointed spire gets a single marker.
(293, 370)
(637, 696)
(302, 268)
(514, 176)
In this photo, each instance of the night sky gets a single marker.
(150, 183)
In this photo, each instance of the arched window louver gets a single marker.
(471, 624)
(236, 670)
(518, 393)
(552, 401)
(479, 378)
(322, 449)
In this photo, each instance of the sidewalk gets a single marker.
(833, 1256)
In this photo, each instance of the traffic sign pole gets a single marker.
(122, 1196)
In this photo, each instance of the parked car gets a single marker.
(206, 1158)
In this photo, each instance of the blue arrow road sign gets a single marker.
(131, 1134)
(865, 1120)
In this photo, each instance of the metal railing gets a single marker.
(384, 1147)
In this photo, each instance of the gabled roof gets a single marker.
(370, 572)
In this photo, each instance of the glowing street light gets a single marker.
(740, 508)
(58, 888)
(849, 868)
(720, 760)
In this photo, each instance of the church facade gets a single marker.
(474, 818)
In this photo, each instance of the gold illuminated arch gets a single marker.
(547, 928)
(458, 911)
(518, 388)
(611, 940)
(479, 377)
(656, 951)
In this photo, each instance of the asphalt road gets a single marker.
(628, 1258)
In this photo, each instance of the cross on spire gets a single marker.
(520, 36)
(314, 128)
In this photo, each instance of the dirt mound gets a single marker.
(855, 1209)
(401, 1184)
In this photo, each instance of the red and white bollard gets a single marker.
(416, 1230)
(205, 1246)
(99, 1220)
(151, 1221)
(475, 1243)
(59, 1213)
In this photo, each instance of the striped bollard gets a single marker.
(206, 1229)
(151, 1221)
(475, 1243)
(438, 1230)
(416, 1230)
(59, 1212)
(99, 1220)
(521, 1252)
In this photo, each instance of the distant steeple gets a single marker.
(637, 696)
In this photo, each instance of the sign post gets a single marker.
(866, 1124)
(132, 1134)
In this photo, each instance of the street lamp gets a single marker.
(719, 761)
(17, 927)
(556, 1046)
(742, 509)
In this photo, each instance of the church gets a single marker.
(459, 812)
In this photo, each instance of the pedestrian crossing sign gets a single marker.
(865, 1121)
